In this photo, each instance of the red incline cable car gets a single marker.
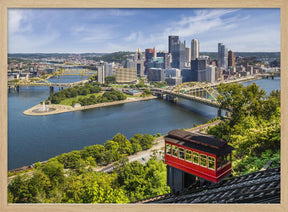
(196, 154)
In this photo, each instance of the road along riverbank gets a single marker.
(142, 156)
(56, 109)
(145, 155)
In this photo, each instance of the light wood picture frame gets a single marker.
(6, 4)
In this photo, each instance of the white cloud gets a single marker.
(18, 21)
(98, 30)
(14, 19)
(202, 21)
(258, 39)
(94, 33)
(132, 37)
(21, 43)
(212, 27)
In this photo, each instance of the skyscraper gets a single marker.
(194, 49)
(172, 39)
(231, 59)
(101, 72)
(198, 68)
(188, 56)
(178, 52)
(222, 56)
(166, 57)
(149, 54)
(108, 69)
(139, 63)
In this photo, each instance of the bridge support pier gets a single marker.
(51, 89)
(219, 113)
(16, 88)
(171, 98)
(174, 99)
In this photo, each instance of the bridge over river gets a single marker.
(17, 85)
(204, 93)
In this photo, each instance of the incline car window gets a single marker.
(211, 162)
(188, 155)
(195, 158)
(168, 149)
(181, 153)
(174, 151)
(203, 160)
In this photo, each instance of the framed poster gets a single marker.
(67, 38)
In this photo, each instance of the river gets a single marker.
(38, 138)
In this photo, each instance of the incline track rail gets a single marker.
(257, 187)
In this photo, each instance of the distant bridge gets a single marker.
(54, 84)
(73, 72)
(45, 83)
(272, 75)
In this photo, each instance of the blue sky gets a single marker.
(111, 30)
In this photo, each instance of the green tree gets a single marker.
(39, 186)
(125, 146)
(19, 189)
(271, 104)
(231, 96)
(96, 151)
(110, 80)
(144, 141)
(55, 171)
(69, 160)
(112, 151)
(254, 100)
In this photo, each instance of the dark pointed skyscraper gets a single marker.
(178, 52)
(172, 39)
(139, 63)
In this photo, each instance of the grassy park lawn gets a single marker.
(130, 96)
(70, 100)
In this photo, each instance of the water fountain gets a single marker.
(43, 109)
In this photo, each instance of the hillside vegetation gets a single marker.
(254, 127)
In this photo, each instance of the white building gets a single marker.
(101, 72)
(210, 73)
(173, 76)
(172, 72)
(194, 49)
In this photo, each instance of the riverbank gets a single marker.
(56, 109)
(145, 155)
(142, 156)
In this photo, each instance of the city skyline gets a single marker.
(111, 30)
